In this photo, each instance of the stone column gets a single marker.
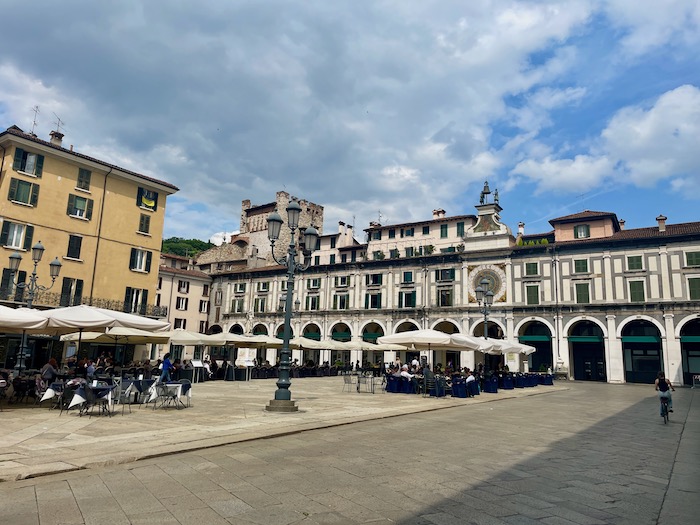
(672, 360)
(613, 353)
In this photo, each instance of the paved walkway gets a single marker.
(579, 454)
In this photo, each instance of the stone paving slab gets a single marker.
(37, 440)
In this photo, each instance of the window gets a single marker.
(183, 286)
(582, 293)
(71, 292)
(392, 233)
(532, 294)
(144, 223)
(333, 242)
(140, 260)
(407, 277)
(15, 235)
(83, 179)
(460, 229)
(378, 255)
(218, 295)
(443, 231)
(353, 256)
(373, 300)
(407, 299)
(284, 285)
(203, 307)
(409, 251)
(426, 230)
(181, 303)
(263, 286)
(313, 284)
(580, 265)
(203, 327)
(694, 288)
(532, 268)
(373, 279)
(74, 244)
(341, 301)
(237, 305)
(158, 287)
(692, 258)
(239, 287)
(259, 305)
(394, 253)
(341, 281)
(135, 301)
(27, 162)
(23, 192)
(312, 302)
(147, 199)
(79, 207)
(637, 291)
(444, 297)
(332, 259)
(6, 284)
(582, 231)
(408, 232)
(376, 235)
(205, 290)
(181, 323)
(445, 275)
(343, 257)
(317, 260)
(634, 262)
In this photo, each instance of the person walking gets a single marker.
(167, 366)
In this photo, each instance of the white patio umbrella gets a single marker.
(180, 336)
(84, 317)
(119, 334)
(20, 319)
(419, 339)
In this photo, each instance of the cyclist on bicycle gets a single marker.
(664, 387)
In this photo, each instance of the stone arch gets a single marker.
(311, 331)
(406, 325)
(372, 330)
(523, 322)
(586, 338)
(579, 318)
(496, 329)
(260, 329)
(538, 334)
(627, 320)
(215, 329)
(340, 331)
(680, 325)
(642, 349)
(237, 329)
(447, 326)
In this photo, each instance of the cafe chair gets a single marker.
(428, 384)
(348, 383)
(186, 391)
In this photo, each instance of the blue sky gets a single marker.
(388, 107)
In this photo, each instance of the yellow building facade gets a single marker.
(103, 223)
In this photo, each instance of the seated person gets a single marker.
(411, 377)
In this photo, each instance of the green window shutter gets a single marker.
(28, 234)
(78, 295)
(533, 294)
(366, 301)
(400, 299)
(460, 229)
(34, 199)
(127, 298)
(88, 209)
(379, 300)
(71, 204)
(17, 163)
(12, 194)
(335, 302)
(693, 285)
(132, 259)
(4, 233)
(39, 165)
(144, 302)
(452, 274)
(437, 275)
(367, 279)
(149, 256)
(65, 291)
(637, 291)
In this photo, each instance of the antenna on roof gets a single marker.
(58, 123)
(35, 109)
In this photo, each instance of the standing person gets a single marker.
(167, 366)
(664, 387)
(49, 372)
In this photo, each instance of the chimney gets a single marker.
(662, 223)
(438, 214)
(56, 138)
(521, 228)
(622, 224)
(341, 227)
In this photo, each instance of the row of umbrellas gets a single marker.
(105, 326)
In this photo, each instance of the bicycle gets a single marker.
(664, 409)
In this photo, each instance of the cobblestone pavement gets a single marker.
(585, 454)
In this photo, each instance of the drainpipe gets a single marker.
(99, 236)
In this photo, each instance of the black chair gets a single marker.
(459, 388)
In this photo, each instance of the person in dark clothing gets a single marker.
(664, 387)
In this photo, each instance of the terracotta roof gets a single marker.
(14, 130)
(672, 230)
(173, 256)
(164, 268)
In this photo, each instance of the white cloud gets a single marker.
(582, 173)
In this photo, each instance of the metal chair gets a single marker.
(348, 383)
(186, 387)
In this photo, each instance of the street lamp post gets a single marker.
(32, 287)
(282, 401)
(484, 297)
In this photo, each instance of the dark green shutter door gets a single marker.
(366, 301)
(71, 204)
(28, 234)
(400, 300)
(149, 256)
(78, 295)
(88, 210)
(379, 300)
(127, 299)
(144, 302)
(5, 233)
(413, 299)
(132, 259)
(65, 291)
(12, 194)
(39, 165)
(452, 274)
(19, 155)
(34, 199)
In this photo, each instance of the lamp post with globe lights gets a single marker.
(484, 296)
(282, 401)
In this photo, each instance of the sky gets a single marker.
(378, 110)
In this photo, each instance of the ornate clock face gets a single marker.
(493, 277)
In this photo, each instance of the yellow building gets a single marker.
(103, 223)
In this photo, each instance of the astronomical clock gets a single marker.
(495, 275)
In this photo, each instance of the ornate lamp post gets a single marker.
(32, 287)
(282, 401)
(484, 297)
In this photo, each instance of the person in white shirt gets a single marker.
(415, 364)
(410, 377)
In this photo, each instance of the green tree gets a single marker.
(185, 247)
